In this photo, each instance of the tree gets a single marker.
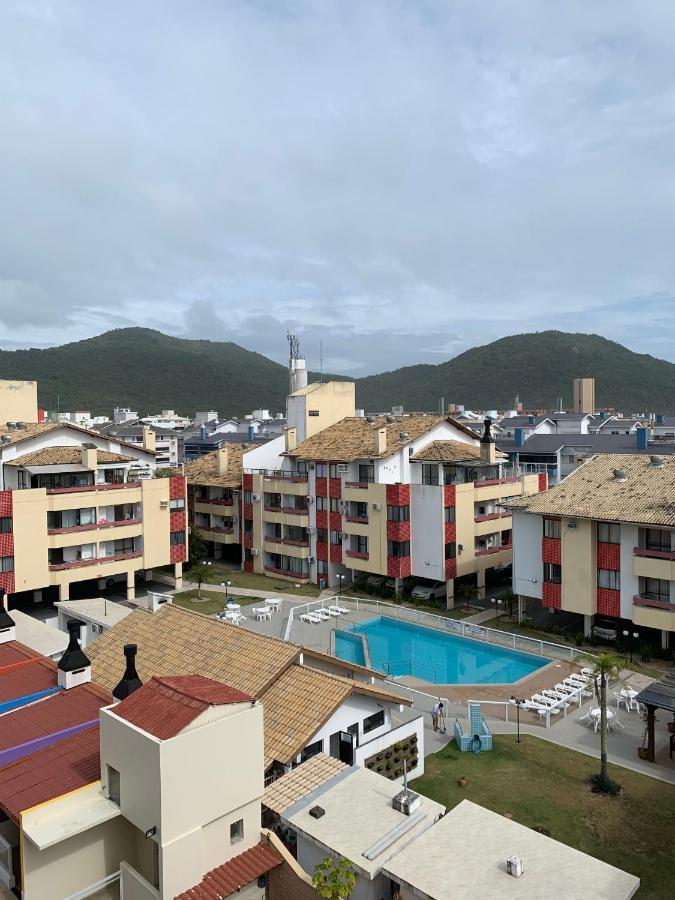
(508, 598)
(164, 472)
(197, 551)
(605, 666)
(200, 573)
(467, 591)
(334, 879)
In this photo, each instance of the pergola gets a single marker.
(657, 695)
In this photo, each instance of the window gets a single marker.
(177, 537)
(313, 412)
(301, 467)
(6, 524)
(430, 473)
(552, 528)
(398, 548)
(656, 589)
(113, 785)
(178, 503)
(321, 470)
(366, 473)
(126, 545)
(321, 536)
(609, 533)
(451, 550)
(6, 564)
(361, 544)
(334, 504)
(335, 537)
(322, 503)
(552, 573)
(370, 723)
(248, 526)
(322, 567)
(237, 831)
(311, 750)
(333, 470)
(449, 514)
(248, 496)
(398, 513)
(608, 578)
(360, 510)
(657, 539)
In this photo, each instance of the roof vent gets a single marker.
(370, 420)
(89, 446)
(620, 475)
(130, 681)
(11, 426)
(390, 420)
(21, 424)
(406, 801)
(74, 667)
(404, 437)
(514, 866)
(316, 812)
(656, 461)
(6, 439)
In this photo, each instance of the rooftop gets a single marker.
(163, 707)
(44, 639)
(354, 437)
(233, 875)
(358, 814)
(66, 766)
(66, 456)
(481, 842)
(448, 451)
(598, 443)
(646, 496)
(24, 672)
(296, 784)
(204, 470)
(33, 429)
(95, 609)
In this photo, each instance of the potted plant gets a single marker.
(463, 781)
(643, 752)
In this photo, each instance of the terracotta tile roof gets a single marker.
(176, 641)
(63, 767)
(66, 456)
(32, 429)
(449, 451)
(164, 706)
(14, 651)
(300, 701)
(19, 681)
(63, 710)
(354, 437)
(645, 497)
(299, 782)
(233, 875)
(204, 470)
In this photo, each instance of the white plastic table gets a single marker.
(595, 715)
(274, 603)
(629, 694)
(233, 607)
(262, 612)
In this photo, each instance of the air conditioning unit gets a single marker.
(255, 498)
(255, 551)
(343, 506)
(377, 507)
(311, 529)
(311, 466)
(309, 498)
(460, 547)
(344, 536)
(310, 559)
(342, 468)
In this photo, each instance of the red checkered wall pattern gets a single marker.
(177, 553)
(5, 504)
(336, 553)
(398, 566)
(322, 518)
(247, 482)
(7, 544)
(551, 595)
(398, 494)
(247, 539)
(248, 565)
(550, 550)
(177, 488)
(335, 520)
(335, 487)
(450, 569)
(449, 494)
(398, 531)
(248, 510)
(321, 487)
(321, 550)
(609, 602)
(608, 556)
(177, 520)
(543, 481)
(450, 533)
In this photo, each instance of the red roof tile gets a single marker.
(23, 672)
(14, 652)
(56, 713)
(165, 705)
(233, 875)
(63, 767)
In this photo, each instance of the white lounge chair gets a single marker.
(333, 613)
(340, 610)
(556, 694)
(548, 702)
(311, 618)
(322, 614)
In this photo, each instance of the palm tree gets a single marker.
(605, 667)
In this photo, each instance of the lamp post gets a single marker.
(340, 580)
(631, 638)
(514, 701)
(498, 608)
(226, 585)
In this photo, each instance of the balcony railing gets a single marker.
(358, 520)
(355, 554)
(217, 501)
(487, 517)
(300, 576)
(75, 489)
(653, 554)
(653, 602)
(220, 529)
(280, 475)
(295, 510)
(93, 525)
(80, 563)
(488, 550)
(358, 484)
(511, 479)
(269, 507)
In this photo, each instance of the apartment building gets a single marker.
(78, 507)
(392, 496)
(214, 499)
(167, 443)
(602, 543)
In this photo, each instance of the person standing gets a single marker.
(437, 715)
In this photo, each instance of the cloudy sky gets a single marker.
(399, 180)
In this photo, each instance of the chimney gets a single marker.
(7, 625)
(487, 444)
(74, 667)
(89, 456)
(149, 440)
(530, 420)
(519, 437)
(380, 442)
(251, 432)
(130, 681)
(291, 438)
(641, 435)
(223, 457)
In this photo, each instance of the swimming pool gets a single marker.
(402, 648)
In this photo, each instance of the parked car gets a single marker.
(435, 591)
(388, 589)
(605, 629)
(375, 582)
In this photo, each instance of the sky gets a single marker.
(395, 181)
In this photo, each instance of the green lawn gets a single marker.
(542, 785)
(212, 601)
(219, 573)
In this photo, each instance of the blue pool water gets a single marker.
(401, 648)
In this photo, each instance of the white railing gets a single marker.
(95, 887)
(296, 611)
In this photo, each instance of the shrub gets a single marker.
(600, 785)
(645, 652)
(579, 638)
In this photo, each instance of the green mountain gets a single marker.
(149, 371)
(539, 368)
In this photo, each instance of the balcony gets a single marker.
(653, 602)
(487, 551)
(363, 485)
(94, 525)
(95, 487)
(295, 510)
(653, 554)
(489, 517)
(286, 573)
(289, 477)
(81, 563)
(269, 507)
(216, 501)
(220, 529)
(358, 520)
(270, 538)
(355, 554)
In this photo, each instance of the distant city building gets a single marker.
(583, 392)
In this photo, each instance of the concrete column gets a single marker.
(664, 639)
(131, 586)
(521, 608)
(64, 591)
(450, 593)
(480, 584)
(178, 574)
(588, 625)
(397, 584)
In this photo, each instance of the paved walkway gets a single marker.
(478, 618)
(245, 592)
